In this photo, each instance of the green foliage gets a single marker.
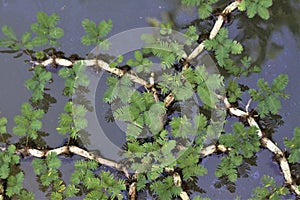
(254, 7)
(11, 40)
(169, 51)
(165, 29)
(227, 166)
(3, 122)
(243, 143)
(268, 97)
(189, 164)
(7, 161)
(191, 35)
(233, 91)
(28, 123)
(183, 90)
(116, 62)
(73, 120)
(102, 186)
(141, 64)
(166, 189)
(118, 89)
(46, 31)
(222, 46)
(207, 85)
(47, 169)
(242, 70)
(204, 6)
(24, 195)
(8, 165)
(14, 184)
(156, 136)
(37, 83)
(294, 146)
(95, 35)
(181, 127)
(75, 77)
(269, 190)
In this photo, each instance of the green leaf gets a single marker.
(263, 12)
(9, 33)
(4, 171)
(56, 33)
(280, 82)
(138, 56)
(36, 125)
(204, 10)
(3, 122)
(26, 37)
(42, 18)
(40, 41)
(88, 40)
(14, 184)
(294, 146)
(89, 27)
(44, 76)
(19, 130)
(104, 27)
(52, 20)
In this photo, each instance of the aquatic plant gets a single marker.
(168, 158)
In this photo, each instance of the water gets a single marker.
(273, 43)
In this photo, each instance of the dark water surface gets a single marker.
(274, 44)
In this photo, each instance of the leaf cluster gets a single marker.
(294, 146)
(3, 122)
(169, 50)
(104, 186)
(233, 91)
(268, 97)
(49, 175)
(254, 7)
(166, 189)
(117, 89)
(46, 30)
(222, 47)
(191, 35)
(243, 143)
(141, 64)
(207, 85)
(37, 83)
(204, 6)
(95, 35)
(269, 190)
(74, 77)
(73, 120)
(189, 163)
(28, 123)
(47, 169)
(8, 165)
(181, 88)
(244, 69)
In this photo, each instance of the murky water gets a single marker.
(274, 44)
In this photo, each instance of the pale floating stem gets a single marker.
(132, 191)
(177, 182)
(211, 149)
(217, 26)
(267, 143)
(68, 150)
